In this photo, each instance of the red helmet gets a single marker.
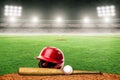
(51, 57)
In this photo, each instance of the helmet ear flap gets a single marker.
(59, 66)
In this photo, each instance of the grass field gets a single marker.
(101, 53)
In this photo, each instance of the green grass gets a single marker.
(99, 53)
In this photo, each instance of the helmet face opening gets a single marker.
(45, 64)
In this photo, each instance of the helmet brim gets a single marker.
(46, 59)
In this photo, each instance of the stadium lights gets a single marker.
(10, 10)
(106, 11)
(35, 20)
(59, 19)
(86, 20)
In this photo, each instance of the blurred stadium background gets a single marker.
(53, 16)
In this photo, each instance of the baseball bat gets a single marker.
(49, 71)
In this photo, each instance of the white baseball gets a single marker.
(67, 69)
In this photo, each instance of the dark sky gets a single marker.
(71, 9)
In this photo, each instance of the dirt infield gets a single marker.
(103, 76)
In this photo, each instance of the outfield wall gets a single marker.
(58, 28)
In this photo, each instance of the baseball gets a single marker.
(67, 69)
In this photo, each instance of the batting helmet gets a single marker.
(51, 57)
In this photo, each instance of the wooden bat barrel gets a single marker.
(40, 71)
